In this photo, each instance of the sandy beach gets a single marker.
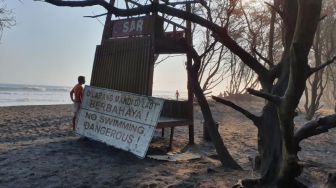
(38, 149)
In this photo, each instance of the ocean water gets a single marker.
(19, 94)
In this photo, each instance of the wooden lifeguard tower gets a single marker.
(125, 61)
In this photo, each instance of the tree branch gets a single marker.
(208, 49)
(263, 58)
(96, 16)
(272, 98)
(206, 6)
(181, 2)
(276, 9)
(85, 3)
(247, 114)
(313, 70)
(314, 128)
(134, 3)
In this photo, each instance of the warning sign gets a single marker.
(124, 120)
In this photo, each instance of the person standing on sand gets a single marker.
(76, 95)
(177, 94)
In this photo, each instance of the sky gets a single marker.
(53, 45)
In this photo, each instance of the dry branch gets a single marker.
(276, 9)
(248, 114)
(313, 70)
(272, 98)
(263, 58)
(315, 127)
(212, 45)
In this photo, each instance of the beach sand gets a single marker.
(38, 149)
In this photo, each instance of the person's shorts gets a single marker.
(75, 107)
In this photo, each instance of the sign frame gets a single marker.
(149, 125)
(147, 26)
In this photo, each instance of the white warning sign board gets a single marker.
(124, 120)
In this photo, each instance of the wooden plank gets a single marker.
(124, 64)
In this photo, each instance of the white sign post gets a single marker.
(124, 120)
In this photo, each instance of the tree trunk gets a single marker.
(223, 154)
(276, 131)
(308, 17)
(269, 144)
(269, 133)
(222, 151)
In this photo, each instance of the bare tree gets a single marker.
(250, 25)
(215, 59)
(282, 85)
(258, 30)
(329, 50)
(323, 49)
(331, 88)
(317, 83)
(7, 19)
(241, 77)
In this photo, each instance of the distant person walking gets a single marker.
(177, 95)
(76, 95)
